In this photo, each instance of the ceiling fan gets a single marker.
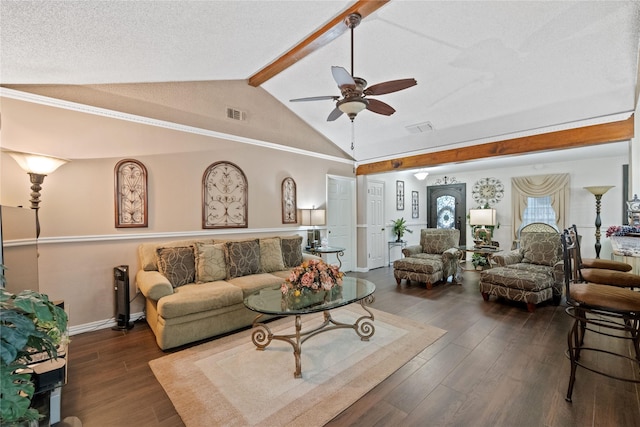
(354, 89)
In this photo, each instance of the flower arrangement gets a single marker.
(312, 275)
(622, 230)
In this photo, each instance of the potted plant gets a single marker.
(29, 323)
(399, 228)
(479, 260)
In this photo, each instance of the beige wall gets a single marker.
(79, 244)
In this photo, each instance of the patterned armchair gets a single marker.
(533, 273)
(436, 258)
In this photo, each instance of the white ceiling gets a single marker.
(484, 69)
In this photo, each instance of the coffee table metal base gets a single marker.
(262, 335)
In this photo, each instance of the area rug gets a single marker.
(228, 382)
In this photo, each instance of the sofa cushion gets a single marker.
(242, 258)
(210, 262)
(189, 299)
(271, 255)
(438, 240)
(255, 282)
(147, 251)
(291, 251)
(541, 248)
(177, 264)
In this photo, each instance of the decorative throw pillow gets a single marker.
(291, 251)
(177, 264)
(271, 255)
(541, 248)
(210, 262)
(242, 257)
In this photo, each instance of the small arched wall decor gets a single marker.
(130, 194)
(289, 201)
(224, 196)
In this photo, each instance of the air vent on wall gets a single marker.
(234, 114)
(420, 127)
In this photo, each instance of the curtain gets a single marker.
(555, 185)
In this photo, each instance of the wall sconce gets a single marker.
(479, 219)
(598, 191)
(37, 166)
(421, 174)
(312, 217)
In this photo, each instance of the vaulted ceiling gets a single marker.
(486, 70)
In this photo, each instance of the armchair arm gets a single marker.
(153, 284)
(506, 258)
(412, 250)
(452, 253)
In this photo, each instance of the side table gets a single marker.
(319, 250)
(395, 243)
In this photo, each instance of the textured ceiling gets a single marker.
(485, 70)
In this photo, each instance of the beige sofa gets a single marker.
(194, 289)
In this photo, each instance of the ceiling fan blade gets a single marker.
(380, 107)
(315, 98)
(334, 114)
(342, 77)
(390, 86)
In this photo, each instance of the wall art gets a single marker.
(289, 201)
(130, 190)
(224, 196)
(415, 207)
(400, 195)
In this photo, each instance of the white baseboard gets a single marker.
(100, 324)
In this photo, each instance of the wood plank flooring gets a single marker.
(498, 365)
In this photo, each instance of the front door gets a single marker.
(447, 208)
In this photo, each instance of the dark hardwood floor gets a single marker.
(498, 365)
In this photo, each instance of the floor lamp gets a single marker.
(598, 191)
(37, 166)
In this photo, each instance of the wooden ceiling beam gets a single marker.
(325, 35)
(560, 140)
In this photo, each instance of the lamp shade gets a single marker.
(312, 216)
(37, 163)
(482, 216)
(599, 190)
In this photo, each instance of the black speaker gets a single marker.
(121, 286)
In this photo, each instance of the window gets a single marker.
(539, 209)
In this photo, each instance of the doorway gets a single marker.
(447, 208)
(341, 219)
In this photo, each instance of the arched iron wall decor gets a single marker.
(130, 194)
(224, 196)
(289, 201)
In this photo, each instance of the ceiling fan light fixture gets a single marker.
(352, 106)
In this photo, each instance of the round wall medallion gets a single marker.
(487, 191)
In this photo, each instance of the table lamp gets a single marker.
(479, 219)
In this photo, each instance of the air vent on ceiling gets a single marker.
(420, 127)
(235, 114)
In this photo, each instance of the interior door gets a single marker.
(341, 221)
(447, 208)
(375, 224)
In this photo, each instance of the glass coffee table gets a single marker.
(270, 301)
